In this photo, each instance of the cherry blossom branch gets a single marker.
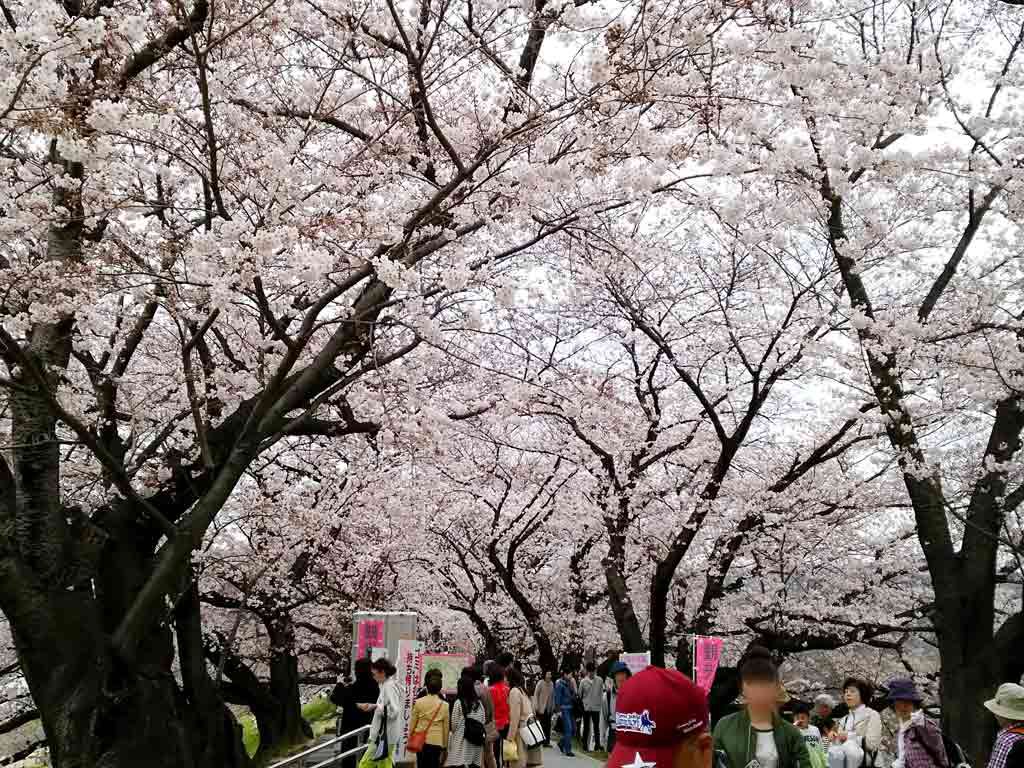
(117, 474)
(300, 114)
(156, 49)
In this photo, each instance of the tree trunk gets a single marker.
(291, 727)
(621, 603)
(98, 713)
(661, 584)
(545, 651)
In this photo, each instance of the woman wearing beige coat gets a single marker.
(520, 712)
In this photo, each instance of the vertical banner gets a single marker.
(708, 654)
(409, 674)
(637, 662)
(371, 635)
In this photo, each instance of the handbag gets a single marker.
(509, 751)
(378, 754)
(532, 733)
(418, 740)
(475, 732)
(367, 761)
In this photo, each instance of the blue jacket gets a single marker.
(564, 697)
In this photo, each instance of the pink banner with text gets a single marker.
(707, 654)
(371, 635)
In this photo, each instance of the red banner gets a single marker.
(707, 654)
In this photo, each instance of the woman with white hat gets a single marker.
(1008, 707)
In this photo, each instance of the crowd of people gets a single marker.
(655, 719)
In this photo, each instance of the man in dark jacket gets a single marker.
(362, 690)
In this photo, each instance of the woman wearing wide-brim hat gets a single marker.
(919, 740)
(1008, 707)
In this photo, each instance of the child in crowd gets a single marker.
(828, 732)
(811, 734)
(802, 721)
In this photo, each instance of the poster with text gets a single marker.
(371, 635)
(409, 675)
(707, 654)
(451, 666)
(637, 662)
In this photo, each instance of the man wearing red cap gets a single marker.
(661, 721)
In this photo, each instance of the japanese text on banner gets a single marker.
(371, 635)
(708, 655)
(410, 672)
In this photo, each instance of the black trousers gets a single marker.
(592, 720)
(545, 723)
(429, 757)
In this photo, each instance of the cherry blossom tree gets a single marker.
(511, 525)
(676, 414)
(888, 137)
(280, 587)
(218, 220)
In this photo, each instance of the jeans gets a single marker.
(567, 730)
(592, 720)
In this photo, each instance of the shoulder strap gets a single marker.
(433, 717)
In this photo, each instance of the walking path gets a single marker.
(555, 759)
(552, 758)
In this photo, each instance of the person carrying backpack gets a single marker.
(919, 740)
(468, 734)
(1008, 707)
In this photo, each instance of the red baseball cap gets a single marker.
(655, 711)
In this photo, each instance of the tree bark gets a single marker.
(964, 581)
(284, 685)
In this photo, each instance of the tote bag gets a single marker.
(532, 733)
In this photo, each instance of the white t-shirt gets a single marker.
(766, 752)
(812, 736)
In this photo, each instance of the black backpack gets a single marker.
(476, 734)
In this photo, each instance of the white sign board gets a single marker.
(410, 672)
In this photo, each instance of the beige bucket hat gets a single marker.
(1008, 703)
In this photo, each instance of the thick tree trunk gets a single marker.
(99, 715)
(622, 606)
(661, 584)
(291, 727)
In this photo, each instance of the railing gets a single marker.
(301, 760)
